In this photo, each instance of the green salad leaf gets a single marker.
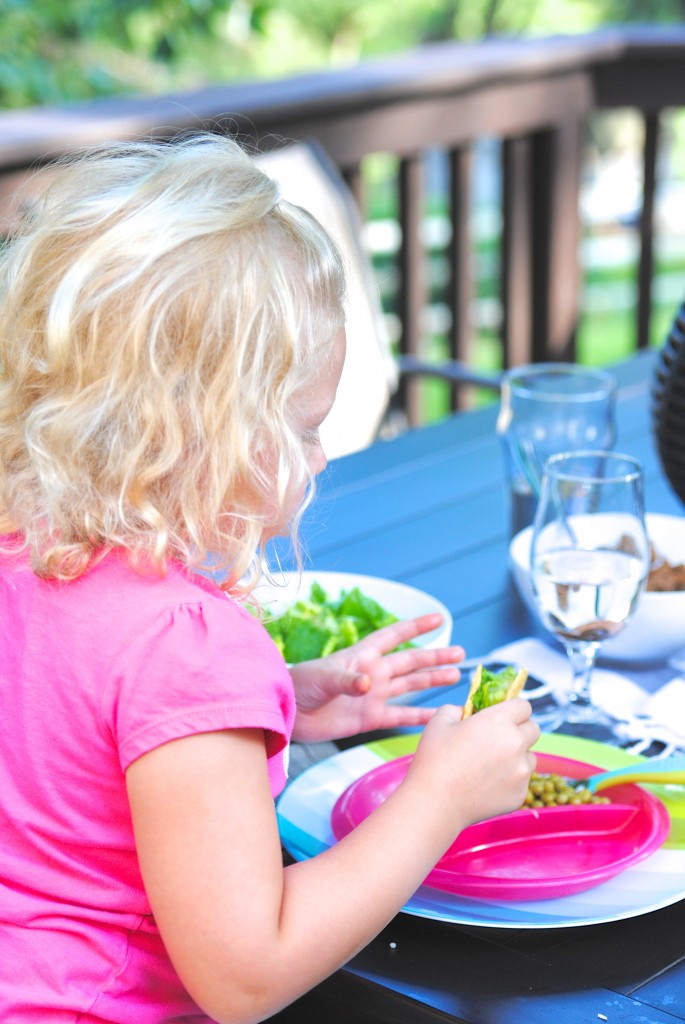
(493, 687)
(318, 626)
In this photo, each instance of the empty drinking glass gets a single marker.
(548, 408)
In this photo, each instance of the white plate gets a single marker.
(403, 601)
(656, 630)
(304, 816)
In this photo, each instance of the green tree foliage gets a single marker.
(657, 11)
(53, 51)
(56, 51)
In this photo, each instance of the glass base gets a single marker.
(589, 723)
(549, 720)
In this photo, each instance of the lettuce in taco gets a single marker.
(493, 687)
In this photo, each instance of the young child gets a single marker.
(171, 339)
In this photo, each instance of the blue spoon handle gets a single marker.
(660, 770)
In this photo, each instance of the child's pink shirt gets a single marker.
(93, 674)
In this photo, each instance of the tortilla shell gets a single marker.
(514, 690)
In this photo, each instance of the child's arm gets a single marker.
(248, 937)
(347, 693)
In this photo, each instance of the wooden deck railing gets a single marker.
(535, 96)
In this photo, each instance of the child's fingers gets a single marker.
(389, 637)
(425, 679)
(418, 659)
(518, 709)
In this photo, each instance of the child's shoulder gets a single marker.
(117, 575)
(115, 592)
(143, 594)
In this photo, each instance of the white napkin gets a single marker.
(648, 716)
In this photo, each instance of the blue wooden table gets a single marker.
(429, 509)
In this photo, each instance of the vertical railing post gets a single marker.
(412, 296)
(355, 182)
(515, 253)
(460, 283)
(556, 167)
(646, 262)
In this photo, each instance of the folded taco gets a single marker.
(493, 687)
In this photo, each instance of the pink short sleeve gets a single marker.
(200, 666)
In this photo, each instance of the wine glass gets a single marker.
(589, 564)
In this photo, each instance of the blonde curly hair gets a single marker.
(160, 309)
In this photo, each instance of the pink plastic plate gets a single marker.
(530, 854)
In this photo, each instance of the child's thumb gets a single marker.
(355, 684)
(449, 714)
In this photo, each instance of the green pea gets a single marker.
(553, 790)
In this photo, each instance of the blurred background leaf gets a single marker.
(65, 50)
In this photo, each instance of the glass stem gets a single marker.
(582, 658)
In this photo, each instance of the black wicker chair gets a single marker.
(668, 410)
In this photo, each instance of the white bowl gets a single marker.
(403, 601)
(657, 628)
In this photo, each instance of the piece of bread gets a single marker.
(513, 689)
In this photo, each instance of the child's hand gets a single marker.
(347, 692)
(478, 767)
